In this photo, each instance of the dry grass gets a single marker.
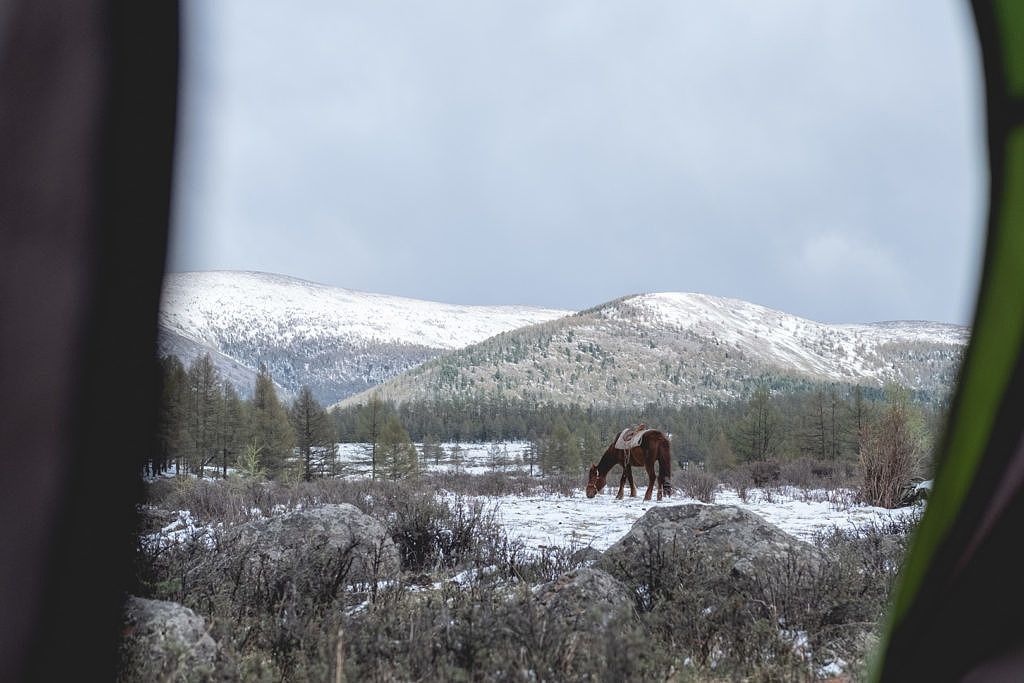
(695, 620)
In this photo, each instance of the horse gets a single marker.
(653, 448)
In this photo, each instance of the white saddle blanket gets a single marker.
(630, 439)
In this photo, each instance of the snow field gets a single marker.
(551, 520)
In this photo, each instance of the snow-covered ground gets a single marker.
(551, 520)
(471, 458)
(545, 520)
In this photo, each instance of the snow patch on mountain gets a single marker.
(208, 306)
(336, 340)
(834, 352)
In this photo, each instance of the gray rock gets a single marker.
(586, 556)
(342, 528)
(152, 519)
(716, 534)
(165, 641)
(585, 600)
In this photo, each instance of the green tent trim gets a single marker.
(975, 453)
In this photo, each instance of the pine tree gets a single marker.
(230, 426)
(720, 454)
(203, 398)
(395, 450)
(562, 450)
(856, 422)
(171, 434)
(369, 424)
(312, 431)
(269, 427)
(455, 456)
(432, 450)
(757, 435)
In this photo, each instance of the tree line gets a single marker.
(823, 422)
(204, 424)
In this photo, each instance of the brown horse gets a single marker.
(653, 448)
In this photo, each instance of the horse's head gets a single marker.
(595, 482)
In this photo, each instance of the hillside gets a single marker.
(338, 341)
(675, 348)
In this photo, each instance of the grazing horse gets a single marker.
(653, 448)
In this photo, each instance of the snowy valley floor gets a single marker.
(553, 520)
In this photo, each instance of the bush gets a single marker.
(464, 609)
(698, 485)
(431, 534)
(765, 473)
(889, 457)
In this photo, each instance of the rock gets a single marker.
(915, 493)
(165, 641)
(586, 600)
(337, 528)
(715, 534)
(586, 556)
(151, 519)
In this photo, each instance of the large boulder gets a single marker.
(715, 535)
(165, 641)
(341, 529)
(585, 599)
(583, 618)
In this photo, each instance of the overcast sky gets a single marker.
(823, 158)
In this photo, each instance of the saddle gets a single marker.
(630, 437)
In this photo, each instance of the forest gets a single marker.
(205, 425)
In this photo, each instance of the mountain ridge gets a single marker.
(338, 341)
(682, 348)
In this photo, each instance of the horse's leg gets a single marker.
(622, 482)
(632, 485)
(649, 466)
(661, 478)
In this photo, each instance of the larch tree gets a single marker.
(369, 423)
(171, 435)
(202, 407)
(269, 429)
(758, 433)
(395, 450)
(312, 430)
(230, 427)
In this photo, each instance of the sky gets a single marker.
(825, 159)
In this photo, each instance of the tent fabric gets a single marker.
(957, 611)
(88, 98)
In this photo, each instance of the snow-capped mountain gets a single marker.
(337, 341)
(675, 348)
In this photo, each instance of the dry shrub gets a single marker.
(765, 473)
(889, 458)
(698, 485)
(696, 620)
(798, 473)
(740, 480)
(431, 534)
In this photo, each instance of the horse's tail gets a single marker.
(665, 466)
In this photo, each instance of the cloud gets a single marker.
(838, 255)
(486, 153)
